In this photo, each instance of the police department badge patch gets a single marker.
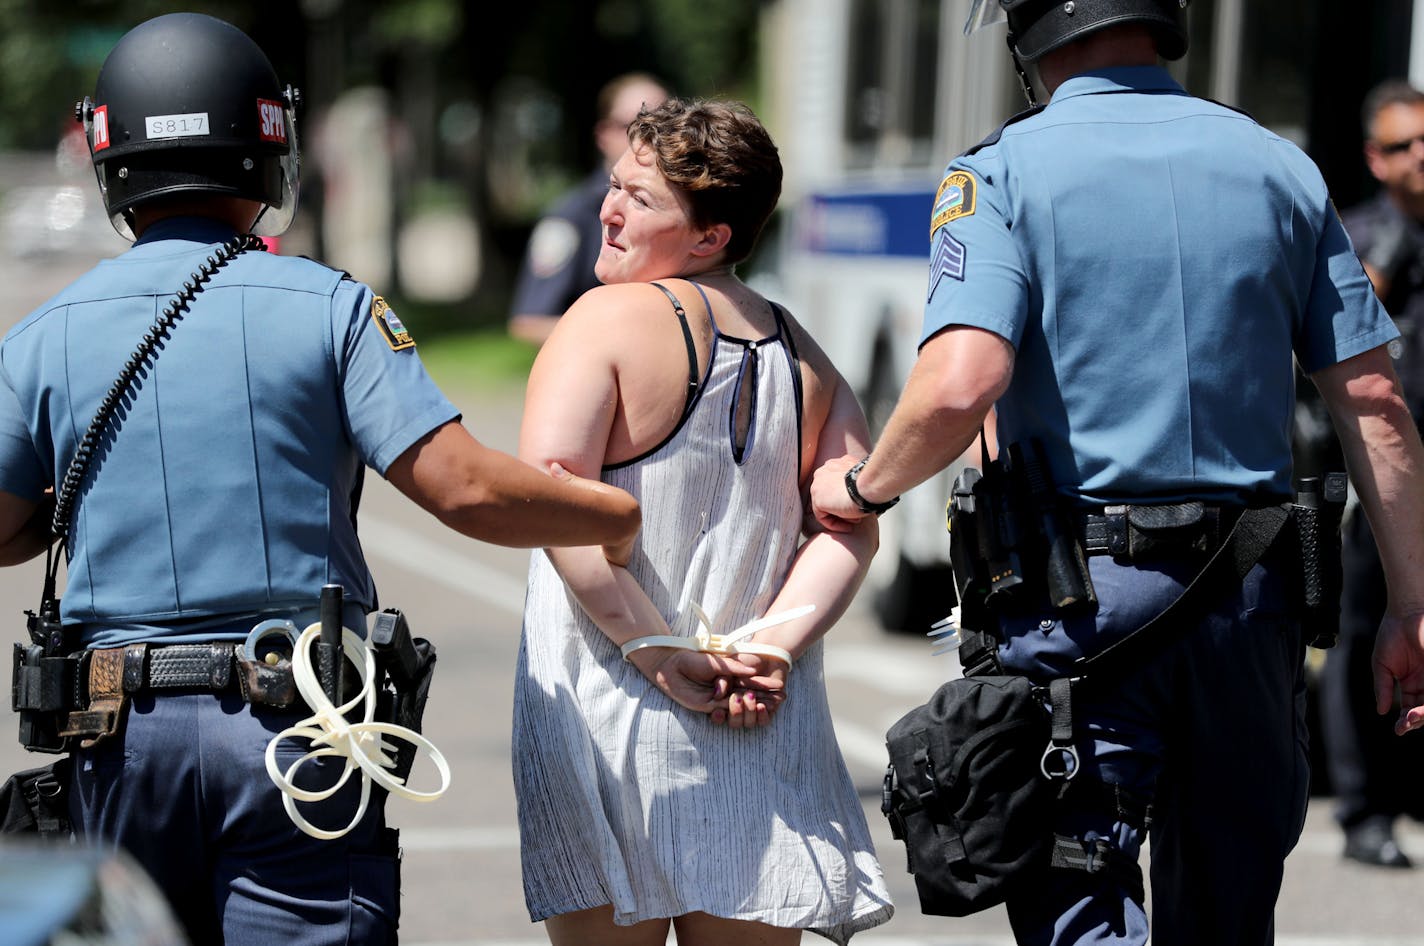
(393, 330)
(954, 199)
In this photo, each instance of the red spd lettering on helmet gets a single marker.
(271, 125)
(100, 124)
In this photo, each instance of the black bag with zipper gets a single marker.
(36, 801)
(964, 791)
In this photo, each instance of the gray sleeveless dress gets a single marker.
(626, 798)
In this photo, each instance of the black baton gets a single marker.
(328, 649)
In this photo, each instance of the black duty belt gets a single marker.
(1142, 532)
(171, 667)
(107, 677)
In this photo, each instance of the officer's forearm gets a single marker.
(959, 375)
(520, 507)
(1386, 463)
(492, 496)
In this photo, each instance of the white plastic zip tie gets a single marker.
(944, 634)
(361, 744)
(729, 644)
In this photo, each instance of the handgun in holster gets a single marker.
(1317, 511)
(407, 663)
(1064, 563)
(978, 651)
(44, 685)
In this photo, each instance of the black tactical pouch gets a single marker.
(1168, 531)
(36, 801)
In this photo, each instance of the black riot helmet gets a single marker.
(189, 105)
(1037, 27)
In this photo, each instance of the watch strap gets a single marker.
(860, 501)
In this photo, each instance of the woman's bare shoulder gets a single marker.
(616, 309)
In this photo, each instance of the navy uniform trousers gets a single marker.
(208, 824)
(1211, 728)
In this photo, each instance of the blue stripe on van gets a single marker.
(867, 224)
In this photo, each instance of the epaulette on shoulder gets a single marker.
(1234, 108)
(997, 133)
(324, 265)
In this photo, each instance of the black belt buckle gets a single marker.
(1106, 533)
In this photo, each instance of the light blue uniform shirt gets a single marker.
(228, 488)
(1155, 259)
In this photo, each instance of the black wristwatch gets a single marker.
(864, 504)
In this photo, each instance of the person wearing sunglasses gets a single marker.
(1367, 766)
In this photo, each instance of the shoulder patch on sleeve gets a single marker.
(954, 199)
(393, 330)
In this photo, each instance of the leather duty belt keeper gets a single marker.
(112, 674)
(1143, 533)
(105, 706)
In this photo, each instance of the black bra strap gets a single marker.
(691, 348)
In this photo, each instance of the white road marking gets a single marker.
(437, 561)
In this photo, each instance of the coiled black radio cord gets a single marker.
(143, 356)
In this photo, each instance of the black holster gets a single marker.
(45, 682)
(1012, 542)
(406, 666)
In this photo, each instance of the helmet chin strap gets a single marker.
(1023, 75)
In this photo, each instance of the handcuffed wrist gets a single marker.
(713, 645)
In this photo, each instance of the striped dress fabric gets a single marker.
(626, 798)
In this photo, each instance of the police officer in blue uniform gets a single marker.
(1125, 276)
(223, 491)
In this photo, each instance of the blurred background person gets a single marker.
(1367, 763)
(564, 245)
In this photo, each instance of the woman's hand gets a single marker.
(693, 679)
(751, 702)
